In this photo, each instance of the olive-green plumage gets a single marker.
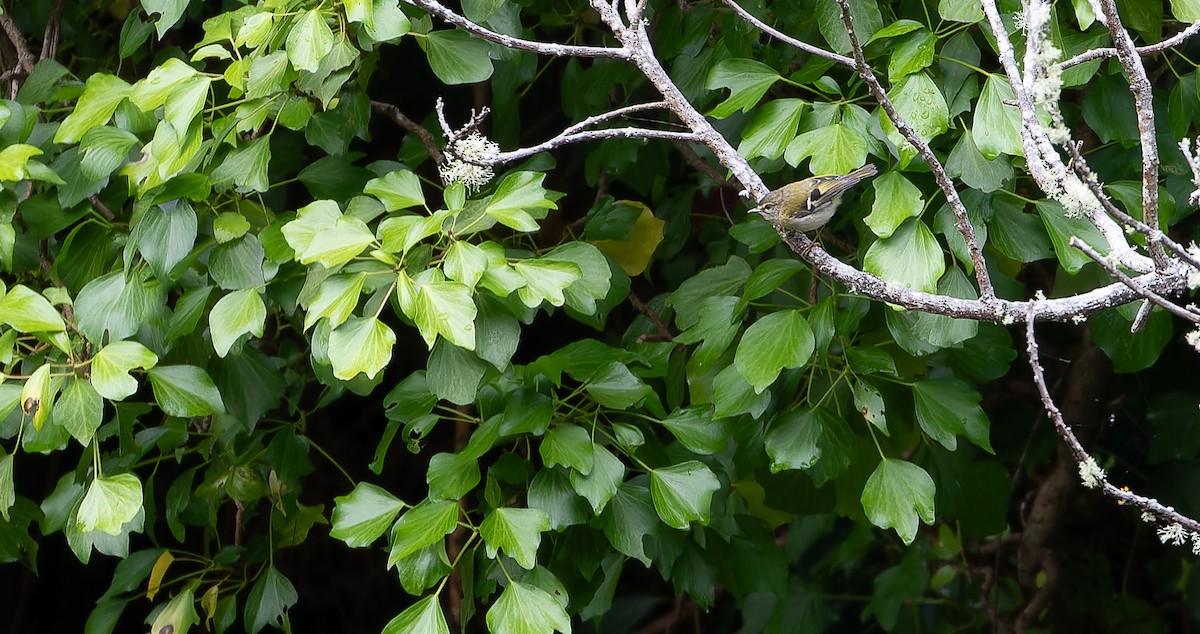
(809, 204)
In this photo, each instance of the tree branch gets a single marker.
(1168, 305)
(393, 112)
(1143, 103)
(545, 48)
(1145, 51)
(787, 39)
(986, 291)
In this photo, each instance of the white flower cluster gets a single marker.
(467, 161)
(1194, 275)
(1193, 339)
(1090, 473)
(1173, 534)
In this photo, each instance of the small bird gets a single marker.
(809, 204)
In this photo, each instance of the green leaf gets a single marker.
(519, 199)
(101, 95)
(27, 311)
(688, 299)
(455, 373)
(595, 282)
(997, 125)
(517, 532)
(397, 190)
(246, 167)
(967, 11)
(969, 164)
(911, 54)
(771, 128)
(921, 104)
(779, 340)
(1131, 352)
(269, 600)
(601, 484)
(837, 148)
(322, 234)
(465, 263)
(238, 313)
(336, 299)
(8, 492)
(309, 40)
(896, 495)
(629, 517)
(715, 330)
(185, 391)
(1062, 226)
(79, 410)
(401, 233)
(178, 615)
(168, 13)
(238, 264)
(14, 159)
(109, 503)
(458, 58)
(165, 235)
(948, 407)
(1187, 11)
(614, 385)
(911, 257)
(446, 309)
(867, 21)
(423, 617)
(104, 149)
(422, 525)
(683, 492)
(545, 281)
(747, 81)
(361, 516)
(896, 200)
(527, 609)
(733, 395)
(793, 441)
(452, 475)
(360, 345)
(551, 491)
(567, 445)
(696, 429)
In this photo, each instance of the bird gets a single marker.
(809, 204)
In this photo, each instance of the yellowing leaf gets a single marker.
(633, 254)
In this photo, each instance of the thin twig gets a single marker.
(53, 32)
(1144, 51)
(692, 158)
(787, 39)
(393, 112)
(507, 41)
(1149, 505)
(986, 291)
(1143, 103)
(1168, 305)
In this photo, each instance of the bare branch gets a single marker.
(1148, 505)
(995, 310)
(507, 41)
(595, 135)
(52, 35)
(965, 227)
(393, 112)
(1144, 51)
(1143, 102)
(636, 41)
(1044, 163)
(787, 39)
(1168, 305)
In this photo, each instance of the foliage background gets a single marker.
(696, 385)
